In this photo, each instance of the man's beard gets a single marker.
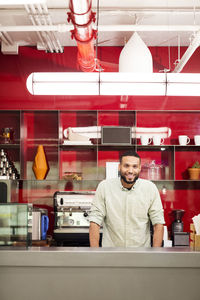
(129, 182)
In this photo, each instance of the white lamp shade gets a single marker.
(135, 56)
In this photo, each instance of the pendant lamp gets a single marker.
(135, 57)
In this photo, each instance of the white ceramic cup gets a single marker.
(197, 139)
(145, 140)
(158, 140)
(183, 140)
(65, 133)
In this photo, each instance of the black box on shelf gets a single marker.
(116, 135)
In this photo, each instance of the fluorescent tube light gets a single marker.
(132, 83)
(63, 83)
(183, 84)
(79, 83)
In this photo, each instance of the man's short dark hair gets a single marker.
(129, 153)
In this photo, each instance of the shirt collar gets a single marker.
(133, 187)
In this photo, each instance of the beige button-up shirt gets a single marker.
(126, 214)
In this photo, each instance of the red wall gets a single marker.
(14, 69)
(13, 96)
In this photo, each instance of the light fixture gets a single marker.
(63, 83)
(21, 2)
(135, 57)
(111, 83)
(183, 84)
(132, 83)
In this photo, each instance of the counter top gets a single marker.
(100, 257)
(99, 273)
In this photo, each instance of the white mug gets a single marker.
(145, 140)
(197, 139)
(183, 140)
(158, 140)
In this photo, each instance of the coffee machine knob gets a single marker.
(85, 214)
(61, 201)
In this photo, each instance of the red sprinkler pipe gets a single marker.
(82, 17)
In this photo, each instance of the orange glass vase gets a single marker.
(40, 166)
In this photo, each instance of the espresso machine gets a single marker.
(179, 237)
(71, 224)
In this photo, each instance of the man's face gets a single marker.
(129, 169)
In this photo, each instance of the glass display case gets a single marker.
(14, 227)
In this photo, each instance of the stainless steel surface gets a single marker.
(71, 208)
(71, 224)
(101, 257)
(36, 225)
(89, 273)
(76, 200)
(35, 222)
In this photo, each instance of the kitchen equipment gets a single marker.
(179, 238)
(39, 223)
(177, 225)
(71, 225)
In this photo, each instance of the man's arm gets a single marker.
(158, 235)
(94, 234)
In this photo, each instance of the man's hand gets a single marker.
(158, 235)
(94, 234)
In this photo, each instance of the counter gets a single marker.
(104, 273)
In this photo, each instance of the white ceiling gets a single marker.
(159, 23)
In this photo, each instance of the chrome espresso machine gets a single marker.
(71, 226)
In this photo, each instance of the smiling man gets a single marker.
(125, 206)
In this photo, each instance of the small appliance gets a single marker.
(179, 238)
(177, 225)
(39, 223)
(71, 225)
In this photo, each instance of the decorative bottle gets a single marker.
(40, 166)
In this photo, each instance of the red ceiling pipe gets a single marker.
(82, 17)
